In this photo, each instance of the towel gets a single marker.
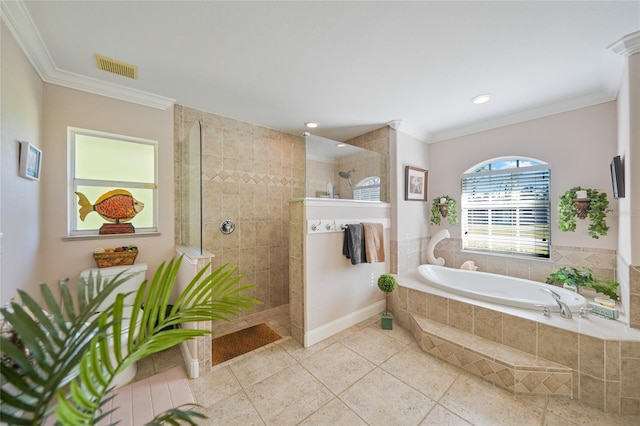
(373, 241)
(353, 245)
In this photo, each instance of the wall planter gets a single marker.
(594, 206)
(443, 207)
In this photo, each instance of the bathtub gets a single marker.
(499, 289)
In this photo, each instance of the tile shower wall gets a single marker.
(317, 175)
(377, 141)
(250, 173)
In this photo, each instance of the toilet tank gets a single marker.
(134, 275)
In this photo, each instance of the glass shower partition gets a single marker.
(191, 189)
(341, 171)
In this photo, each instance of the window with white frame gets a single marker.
(367, 189)
(506, 208)
(101, 162)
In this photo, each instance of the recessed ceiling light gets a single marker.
(341, 145)
(481, 99)
(311, 125)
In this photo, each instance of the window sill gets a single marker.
(508, 255)
(110, 236)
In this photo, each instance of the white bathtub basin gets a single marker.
(500, 289)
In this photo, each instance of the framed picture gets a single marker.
(415, 184)
(30, 161)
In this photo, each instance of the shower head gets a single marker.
(347, 175)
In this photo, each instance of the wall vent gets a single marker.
(117, 67)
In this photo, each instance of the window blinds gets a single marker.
(507, 211)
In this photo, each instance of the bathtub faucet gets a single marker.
(565, 311)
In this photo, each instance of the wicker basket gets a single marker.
(118, 258)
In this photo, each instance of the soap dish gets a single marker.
(605, 301)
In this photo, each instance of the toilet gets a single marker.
(137, 274)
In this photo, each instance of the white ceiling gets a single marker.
(351, 66)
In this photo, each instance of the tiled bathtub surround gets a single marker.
(511, 369)
(410, 253)
(602, 261)
(605, 371)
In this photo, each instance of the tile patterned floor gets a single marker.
(361, 376)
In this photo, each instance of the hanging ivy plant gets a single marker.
(597, 213)
(436, 216)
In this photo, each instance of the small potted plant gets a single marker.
(387, 283)
(580, 276)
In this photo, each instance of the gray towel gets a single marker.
(353, 245)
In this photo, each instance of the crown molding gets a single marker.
(532, 114)
(627, 45)
(613, 63)
(394, 124)
(17, 18)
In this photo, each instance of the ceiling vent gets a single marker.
(117, 67)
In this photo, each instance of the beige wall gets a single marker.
(250, 174)
(20, 202)
(67, 107)
(412, 216)
(578, 145)
(34, 213)
(629, 212)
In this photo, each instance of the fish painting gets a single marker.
(116, 206)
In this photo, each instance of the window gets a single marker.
(367, 189)
(506, 208)
(101, 162)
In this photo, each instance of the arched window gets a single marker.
(506, 207)
(367, 189)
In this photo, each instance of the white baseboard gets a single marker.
(192, 364)
(318, 334)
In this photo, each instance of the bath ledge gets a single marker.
(509, 368)
(593, 325)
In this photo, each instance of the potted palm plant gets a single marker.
(387, 283)
(76, 341)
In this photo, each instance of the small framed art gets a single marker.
(30, 161)
(415, 184)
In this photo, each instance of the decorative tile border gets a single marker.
(249, 177)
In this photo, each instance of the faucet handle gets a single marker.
(545, 310)
(584, 312)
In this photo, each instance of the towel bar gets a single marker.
(324, 226)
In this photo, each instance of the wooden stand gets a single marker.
(116, 228)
